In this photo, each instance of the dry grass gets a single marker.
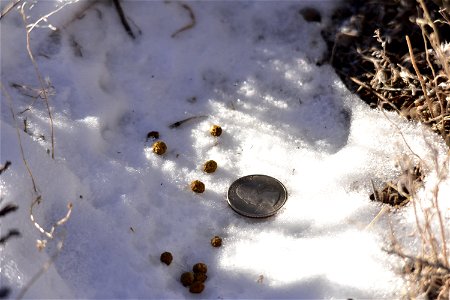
(417, 85)
(402, 66)
(48, 235)
(427, 272)
(394, 56)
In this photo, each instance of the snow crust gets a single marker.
(252, 68)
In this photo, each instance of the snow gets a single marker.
(252, 68)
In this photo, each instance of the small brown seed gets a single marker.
(216, 241)
(200, 268)
(166, 258)
(210, 166)
(187, 278)
(197, 287)
(159, 147)
(197, 186)
(201, 277)
(215, 130)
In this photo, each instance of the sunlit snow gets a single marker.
(249, 66)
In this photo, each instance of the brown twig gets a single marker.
(9, 7)
(5, 166)
(179, 123)
(13, 114)
(28, 29)
(11, 233)
(188, 26)
(442, 173)
(401, 134)
(383, 211)
(436, 265)
(123, 19)
(419, 76)
(370, 89)
(8, 208)
(419, 227)
(49, 233)
(435, 42)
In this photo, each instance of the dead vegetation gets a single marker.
(398, 192)
(191, 23)
(393, 54)
(396, 56)
(43, 92)
(427, 271)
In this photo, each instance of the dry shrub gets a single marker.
(427, 271)
(419, 86)
(394, 55)
(424, 81)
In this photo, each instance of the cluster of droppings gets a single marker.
(195, 280)
(187, 279)
(208, 167)
(159, 148)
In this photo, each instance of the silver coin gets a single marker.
(257, 196)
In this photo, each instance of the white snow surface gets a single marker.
(250, 67)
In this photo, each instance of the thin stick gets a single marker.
(42, 270)
(11, 233)
(437, 42)
(49, 234)
(362, 84)
(9, 208)
(430, 233)
(9, 7)
(123, 19)
(36, 68)
(30, 27)
(419, 227)
(419, 75)
(375, 194)
(179, 123)
(427, 55)
(441, 224)
(38, 198)
(442, 173)
(5, 167)
(401, 134)
(13, 114)
(384, 210)
(188, 26)
(436, 265)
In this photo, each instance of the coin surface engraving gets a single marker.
(257, 196)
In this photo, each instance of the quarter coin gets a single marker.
(257, 196)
